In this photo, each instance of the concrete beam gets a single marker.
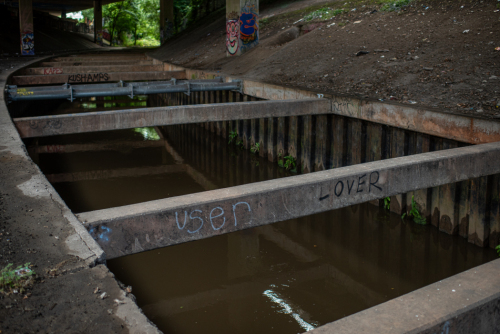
(95, 77)
(100, 58)
(145, 226)
(136, 118)
(91, 69)
(94, 63)
(112, 146)
(114, 173)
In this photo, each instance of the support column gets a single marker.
(98, 22)
(166, 19)
(63, 13)
(242, 26)
(26, 28)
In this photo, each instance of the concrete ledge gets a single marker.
(24, 80)
(23, 185)
(438, 123)
(141, 117)
(145, 226)
(466, 303)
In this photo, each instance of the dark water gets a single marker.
(287, 277)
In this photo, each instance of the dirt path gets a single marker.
(435, 54)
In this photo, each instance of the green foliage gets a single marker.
(255, 148)
(387, 203)
(323, 14)
(497, 248)
(240, 143)
(289, 163)
(148, 133)
(395, 5)
(232, 136)
(417, 217)
(16, 279)
(133, 20)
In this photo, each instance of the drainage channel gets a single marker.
(282, 277)
(128, 182)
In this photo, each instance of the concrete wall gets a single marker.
(468, 208)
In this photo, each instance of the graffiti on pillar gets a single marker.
(232, 36)
(249, 26)
(99, 37)
(167, 31)
(27, 43)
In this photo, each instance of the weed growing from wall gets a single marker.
(417, 217)
(255, 148)
(387, 203)
(232, 136)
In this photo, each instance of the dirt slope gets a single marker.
(435, 53)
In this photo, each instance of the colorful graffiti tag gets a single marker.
(99, 37)
(27, 43)
(167, 31)
(249, 26)
(232, 36)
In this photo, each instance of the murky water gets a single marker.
(286, 277)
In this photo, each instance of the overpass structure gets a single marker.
(242, 21)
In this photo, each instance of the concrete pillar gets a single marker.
(166, 19)
(26, 28)
(98, 22)
(242, 26)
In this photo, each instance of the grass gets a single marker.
(323, 14)
(16, 279)
(395, 5)
(329, 10)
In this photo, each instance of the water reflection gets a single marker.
(294, 275)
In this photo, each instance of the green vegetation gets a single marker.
(417, 217)
(132, 22)
(18, 279)
(255, 148)
(497, 248)
(387, 203)
(148, 133)
(289, 163)
(395, 5)
(232, 136)
(323, 14)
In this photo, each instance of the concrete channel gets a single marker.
(348, 151)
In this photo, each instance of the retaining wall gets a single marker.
(469, 208)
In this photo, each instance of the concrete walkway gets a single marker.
(37, 227)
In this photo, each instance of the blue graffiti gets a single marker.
(103, 235)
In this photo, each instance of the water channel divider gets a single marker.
(150, 225)
(358, 131)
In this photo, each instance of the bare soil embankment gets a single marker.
(438, 54)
